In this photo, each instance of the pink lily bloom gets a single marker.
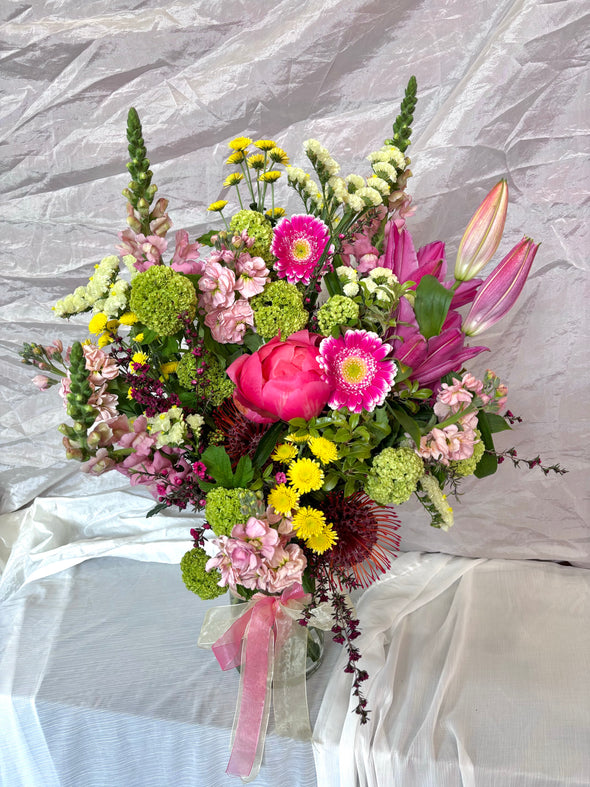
(483, 233)
(501, 289)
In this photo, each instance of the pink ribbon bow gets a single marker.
(265, 628)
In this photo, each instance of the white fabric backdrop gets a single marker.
(502, 90)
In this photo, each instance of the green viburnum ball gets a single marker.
(394, 476)
(258, 227)
(279, 309)
(214, 384)
(159, 295)
(197, 580)
(225, 508)
(337, 310)
(466, 467)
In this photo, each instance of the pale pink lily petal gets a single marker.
(483, 233)
(501, 289)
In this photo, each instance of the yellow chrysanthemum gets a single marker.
(256, 161)
(167, 368)
(265, 144)
(322, 541)
(240, 143)
(305, 475)
(297, 438)
(235, 158)
(104, 340)
(139, 337)
(217, 206)
(130, 393)
(271, 176)
(284, 453)
(279, 155)
(98, 323)
(233, 179)
(138, 359)
(283, 499)
(275, 213)
(309, 522)
(325, 450)
(129, 318)
(112, 325)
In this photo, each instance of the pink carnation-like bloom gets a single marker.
(298, 243)
(186, 255)
(253, 275)
(354, 365)
(147, 251)
(218, 285)
(228, 326)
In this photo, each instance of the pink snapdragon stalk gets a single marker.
(501, 289)
(483, 233)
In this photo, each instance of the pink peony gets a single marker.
(228, 326)
(281, 380)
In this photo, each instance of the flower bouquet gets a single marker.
(296, 377)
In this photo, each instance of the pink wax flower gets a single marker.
(355, 366)
(186, 255)
(298, 244)
(218, 285)
(146, 250)
(280, 381)
(253, 275)
(228, 326)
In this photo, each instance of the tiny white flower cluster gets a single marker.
(304, 184)
(390, 155)
(439, 500)
(169, 428)
(349, 279)
(322, 161)
(380, 285)
(117, 300)
(84, 298)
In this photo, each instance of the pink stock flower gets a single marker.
(259, 535)
(355, 366)
(147, 251)
(280, 381)
(41, 381)
(108, 432)
(298, 244)
(448, 444)
(451, 399)
(482, 236)
(236, 561)
(100, 365)
(228, 326)
(186, 255)
(287, 568)
(501, 289)
(253, 275)
(218, 285)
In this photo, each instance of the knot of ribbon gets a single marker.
(272, 652)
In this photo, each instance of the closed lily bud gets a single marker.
(483, 233)
(500, 290)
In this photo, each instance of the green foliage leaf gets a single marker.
(155, 510)
(497, 423)
(488, 464)
(218, 465)
(333, 284)
(243, 473)
(407, 423)
(206, 238)
(431, 305)
(253, 341)
(267, 444)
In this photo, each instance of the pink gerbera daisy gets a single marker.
(298, 244)
(354, 365)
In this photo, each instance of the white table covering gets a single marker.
(479, 677)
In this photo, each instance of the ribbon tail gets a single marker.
(253, 708)
(290, 686)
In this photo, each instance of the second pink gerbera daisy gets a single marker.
(355, 365)
(298, 244)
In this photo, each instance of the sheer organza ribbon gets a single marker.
(260, 636)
